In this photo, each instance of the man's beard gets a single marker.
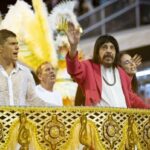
(107, 63)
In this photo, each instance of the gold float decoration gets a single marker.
(111, 129)
(24, 133)
(146, 132)
(1, 131)
(74, 128)
(54, 131)
(87, 134)
(132, 138)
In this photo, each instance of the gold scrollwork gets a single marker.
(24, 133)
(1, 131)
(111, 131)
(32, 129)
(84, 138)
(88, 134)
(131, 135)
(146, 133)
(54, 132)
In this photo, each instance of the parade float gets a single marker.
(62, 128)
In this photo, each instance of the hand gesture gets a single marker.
(137, 59)
(73, 35)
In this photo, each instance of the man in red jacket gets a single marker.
(101, 80)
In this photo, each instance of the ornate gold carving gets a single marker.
(146, 133)
(84, 137)
(111, 131)
(131, 134)
(24, 133)
(54, 131)
(1, 131)
(95, 117)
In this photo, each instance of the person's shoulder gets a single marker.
(121, 70)
(37, 87)
(57, 93)
(25, 71)
(22, 67)
(123, 73)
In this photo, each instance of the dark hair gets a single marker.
(99, 42)
(134, 84)
(35, 77)
(4, 34)
(120, 56)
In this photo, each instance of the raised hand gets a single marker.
(73, 35)
(137, 59)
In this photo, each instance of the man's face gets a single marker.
(47, 74)
(107, 54)
(9, 49)
(127, 64)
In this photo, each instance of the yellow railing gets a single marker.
(74, 128)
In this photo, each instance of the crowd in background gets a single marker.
(83, 6)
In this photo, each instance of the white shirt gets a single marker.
(18, 88)
(53, 98)
(112, 96)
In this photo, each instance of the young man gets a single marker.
(17, 85)
(101, 80)
(47, 77)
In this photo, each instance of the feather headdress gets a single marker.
(59, 17)
(63, 13)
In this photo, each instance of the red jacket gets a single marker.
(88, 75)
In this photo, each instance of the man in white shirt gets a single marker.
(17, 85)
(47, 77)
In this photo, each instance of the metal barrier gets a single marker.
(115, 15)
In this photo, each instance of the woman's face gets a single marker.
(127, 64)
